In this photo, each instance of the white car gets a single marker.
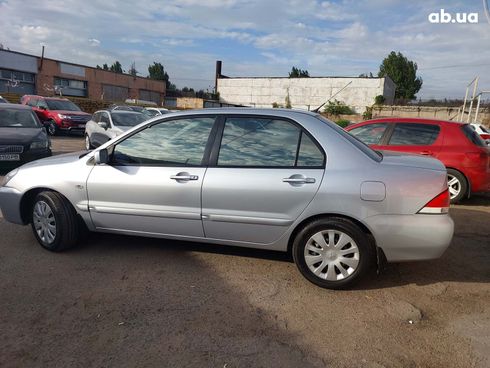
(107, 124)
(155, 111)
(483, 131)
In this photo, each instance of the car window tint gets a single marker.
(473, 136)
(16, 118)
(406, 134)
(309, 154)
(96, 117)
(483, 129)
(171, 143)
(41, 103)
(258, 142)
(104, 118)
(371, 133)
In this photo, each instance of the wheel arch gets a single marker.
(28, 198)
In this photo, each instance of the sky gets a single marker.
(257, 37)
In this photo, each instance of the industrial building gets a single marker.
(303, 93)
(29, 74)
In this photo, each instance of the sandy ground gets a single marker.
(133, 302)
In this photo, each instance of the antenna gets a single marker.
(323, 104)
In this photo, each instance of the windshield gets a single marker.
(375, 155)
(16, 118)
(62, 105)
(127, 118)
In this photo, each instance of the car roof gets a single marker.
(47, 98)
(118, 111)
(287, 113)
(15, 106)
(412, 120)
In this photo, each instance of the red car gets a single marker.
(457, 145)
(57, 113)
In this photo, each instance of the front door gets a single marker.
(265, 173)
(152, 184)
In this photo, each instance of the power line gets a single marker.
(454, 66)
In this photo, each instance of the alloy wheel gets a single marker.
(44, 222)
(454, 186)
(331, 255)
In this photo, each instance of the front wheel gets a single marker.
(333, 253)
(51, 127)
(457, 185)
(54, 221)
(88, 144)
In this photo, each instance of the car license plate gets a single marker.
(81, 125)
(9, 157)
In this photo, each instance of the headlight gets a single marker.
(8, 177)
(39, 145)
(61, 116)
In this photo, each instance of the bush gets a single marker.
(342, 123)
(338, 108)
(379, 100)
(368, 114)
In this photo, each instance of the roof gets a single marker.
(15, 106)
(414, 120)
(292, 113)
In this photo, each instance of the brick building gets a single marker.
(29, 74)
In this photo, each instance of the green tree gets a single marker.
(298, 73)
(403, 72)
(116, 67)
(157, 71)
(105, 66)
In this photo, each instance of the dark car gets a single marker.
(57, 114)
(22, 136)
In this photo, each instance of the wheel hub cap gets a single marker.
(44, 222)
(331, 255)
(454, 186)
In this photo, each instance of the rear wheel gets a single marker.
(457, 185)
(333, 253)
(51, 127)
(54, 221)
(88, 144)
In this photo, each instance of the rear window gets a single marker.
(473, 136)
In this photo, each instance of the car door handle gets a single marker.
(184, 177)
(426, 153)
(299, 180)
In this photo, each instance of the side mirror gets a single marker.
(101, 156)
(103, 124)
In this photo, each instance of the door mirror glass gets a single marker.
(103, 124)
(101, 157)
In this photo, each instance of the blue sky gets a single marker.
(256, 37)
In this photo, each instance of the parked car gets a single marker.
(483, 131)
(106, 125)
(57, 114)
(457, 145)
(22, 137)
(155, 111)
(281, 180)
(3, 100)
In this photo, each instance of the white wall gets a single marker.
(304, 93)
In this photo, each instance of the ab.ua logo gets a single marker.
(444, 17)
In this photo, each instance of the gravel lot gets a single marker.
(125, 301)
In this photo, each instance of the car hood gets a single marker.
(411, 160)
(70, 112)
(21, 136)
(56, 160)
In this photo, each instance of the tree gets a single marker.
(157, 71)
(116, 67)
(105, 66)
(403, 72)
(132, 69)
(298, 73)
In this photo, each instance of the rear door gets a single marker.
(420, 138)
(263, 173)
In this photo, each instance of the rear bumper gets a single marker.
(10, 205)
(412, 237)
(479, 178)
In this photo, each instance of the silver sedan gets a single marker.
(281, 180)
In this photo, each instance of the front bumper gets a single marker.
(10, 205)
(412, 237)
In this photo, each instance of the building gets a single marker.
(303, 93)
(29, 74)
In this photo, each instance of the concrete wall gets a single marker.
(184, 102)
(304, 93)
(428, 112)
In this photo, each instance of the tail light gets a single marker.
(438, 205)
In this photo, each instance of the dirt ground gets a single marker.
(133, 302)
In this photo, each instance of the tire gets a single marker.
(88, 144)
(311, 256)
(52, 128)
(54, 221)
(457, 184)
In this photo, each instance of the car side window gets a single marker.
(406, 134)
(32, 102)
(96, 117)
(370, 133)
(179, 142)
(42, 103)
(266, 142)
(104, 118)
